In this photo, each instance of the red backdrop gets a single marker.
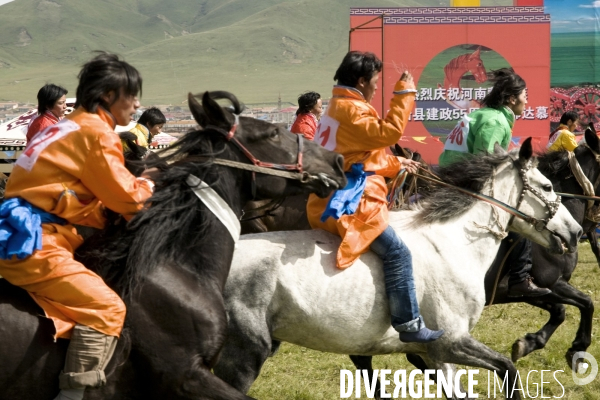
(412, 37)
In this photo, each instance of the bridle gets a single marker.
(289, 171)
(539, 224)
(552, 206)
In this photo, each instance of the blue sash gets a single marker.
(345, 201)
(21, 228)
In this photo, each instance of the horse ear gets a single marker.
(526, 150)
(214, 111)
(592, 139)
(197, 111)
(498, 149)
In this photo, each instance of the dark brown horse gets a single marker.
(169, 263)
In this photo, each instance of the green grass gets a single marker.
(257, 49)
(296, 373)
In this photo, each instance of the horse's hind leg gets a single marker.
(538, 340)
(468, 351)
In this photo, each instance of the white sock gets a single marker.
(70, 394)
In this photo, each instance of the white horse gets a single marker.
(284, 286)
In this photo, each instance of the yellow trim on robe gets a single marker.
(363, 137)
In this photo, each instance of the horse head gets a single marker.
(546, 221)
(475, 65)
(270, 146)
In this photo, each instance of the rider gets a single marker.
(150, 124)
(352, 127)
(478, 133)
(52, 103)
(563, 137)
(67, 175)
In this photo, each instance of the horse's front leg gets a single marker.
(535, 341)
(571, 296)
(592, 237)
(468, 351)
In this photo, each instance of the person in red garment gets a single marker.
(67, 175)
(52, 104)
(310, 108)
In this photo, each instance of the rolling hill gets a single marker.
(257, 49)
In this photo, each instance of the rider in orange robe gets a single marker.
(359, 212)
(71, 171)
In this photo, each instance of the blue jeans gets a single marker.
(399, 281)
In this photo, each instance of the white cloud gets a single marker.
(595, 4)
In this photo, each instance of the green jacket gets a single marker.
(478, 132)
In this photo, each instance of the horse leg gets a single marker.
(244, 353)
(536, 341)
(366, 362)
(417, 361)
(593, 239)
(468, 351)
(422, 362)
(571, 296)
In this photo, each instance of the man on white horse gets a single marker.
(353, 128)
(477, 133)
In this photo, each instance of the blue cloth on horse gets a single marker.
(21, 228)
(345, 201)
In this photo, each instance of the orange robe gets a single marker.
(353, 128)
(73, 169)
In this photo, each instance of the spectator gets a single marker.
(310, 108)
(52, 103)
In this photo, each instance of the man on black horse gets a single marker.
(67, 175)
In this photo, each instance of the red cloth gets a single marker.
(40, 123)
(305, 124)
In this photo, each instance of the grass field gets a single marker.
(296, 373)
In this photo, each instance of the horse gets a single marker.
(291, 290)
(554, 271)
(289, 213)
(170, 262)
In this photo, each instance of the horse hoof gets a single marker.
(518, 350)
(580, 365)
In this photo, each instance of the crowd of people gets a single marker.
(73, 169)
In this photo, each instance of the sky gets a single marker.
(574, 15)
(5, 1)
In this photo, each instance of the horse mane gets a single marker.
(441, 203)
(124, 253)
(553, 162)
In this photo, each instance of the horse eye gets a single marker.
(547, 187)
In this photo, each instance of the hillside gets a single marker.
(257, 49)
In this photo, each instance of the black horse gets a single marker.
(169, 263)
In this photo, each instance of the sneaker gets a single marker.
(425, 335)
(527, 288)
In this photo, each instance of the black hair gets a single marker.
(569, 115)
(151, 117)
(103, 74)
(48, 95)
(307, 101)
(356, 65)
(506, 84)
